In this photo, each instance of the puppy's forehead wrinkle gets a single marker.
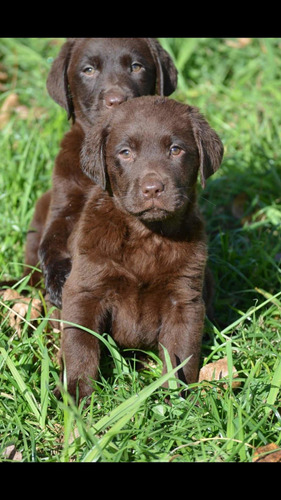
(152, 119)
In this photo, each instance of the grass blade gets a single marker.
(248, 314)
(230, 430)
(21, 384)
(172, 383)
(229, 363)
(120, 362)
(44, 386)
(123, 413)
(275, 387)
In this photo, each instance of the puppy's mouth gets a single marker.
(153, 211)
(153, 214)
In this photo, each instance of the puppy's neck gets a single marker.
(175, 228)
(169, 228)
(180, 227)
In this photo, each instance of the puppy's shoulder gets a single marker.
(67, 162)
(101, 226)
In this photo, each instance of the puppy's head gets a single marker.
(148, 155)
(92, 73)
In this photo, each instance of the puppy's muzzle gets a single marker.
(152, 188)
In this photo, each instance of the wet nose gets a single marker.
(114, 97)
(152, 188)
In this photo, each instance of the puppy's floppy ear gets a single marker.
(167, 75)
(57, 82)
(92, 156)
(209, 145)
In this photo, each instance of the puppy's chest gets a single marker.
(138, 275)
(107, 236)
(126, 250)
(150, 259)
(146, 259)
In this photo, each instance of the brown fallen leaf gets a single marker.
(11, 453)
(3, 76)
(239, 43)
(268, 453)
(10, 103)
(20, 308)
(217, 371)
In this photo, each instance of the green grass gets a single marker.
(129, 419)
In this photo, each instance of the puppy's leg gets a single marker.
(66, 204)
(34, 236)
(54, 258)
(80, 350)
(181, 335)
(80, 354)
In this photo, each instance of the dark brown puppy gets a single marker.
(89, 75)
(139, 250)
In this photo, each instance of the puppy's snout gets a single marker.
(152, 188)
(113, 98)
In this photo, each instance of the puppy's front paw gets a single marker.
(77, 387)
(55, 275)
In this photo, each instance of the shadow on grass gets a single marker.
(242, 210)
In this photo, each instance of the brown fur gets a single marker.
(139, 249)
(88, 76)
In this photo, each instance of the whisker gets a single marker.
(208, 201)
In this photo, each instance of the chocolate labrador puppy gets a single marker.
(139, 249)
(88, 76)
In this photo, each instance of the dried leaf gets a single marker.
(244, 41)
(268, 453)
(3, 76)
(217, 371)
(10, 103)
(10, 294)
(20, 308)
(11, 453)
(240, 43)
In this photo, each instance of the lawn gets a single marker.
(236, 83)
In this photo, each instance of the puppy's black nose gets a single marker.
(113, 98)
(152, 188)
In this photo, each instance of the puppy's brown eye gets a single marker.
(175, 151)
(125, 154)
(89, 70)
(136, 67)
